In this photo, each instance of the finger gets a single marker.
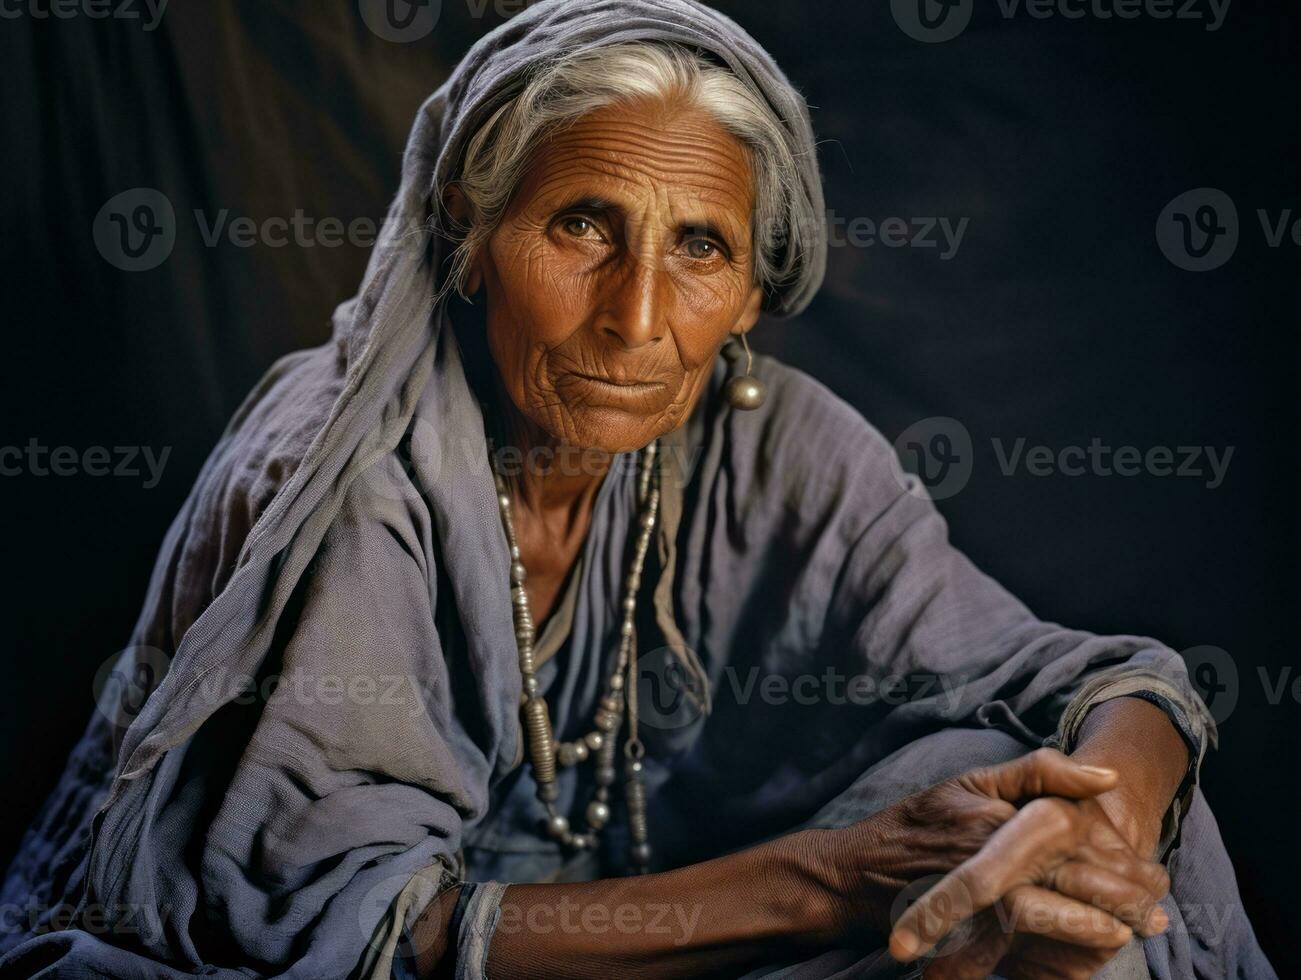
(1044, 912)
(1034, 957)
(978, 954)
(933, 916)
(1152, 877)
(1040, 836)
(1043, 772)
(1122, 897)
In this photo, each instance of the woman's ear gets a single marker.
(750, 313)
(458, 207)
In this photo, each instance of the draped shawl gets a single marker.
(343, 541)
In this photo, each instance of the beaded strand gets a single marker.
(546, 754)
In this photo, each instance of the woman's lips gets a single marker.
(619, 384)
(630, 395)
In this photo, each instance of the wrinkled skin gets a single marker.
(625, 256)
(1036, 880)
(622, 264)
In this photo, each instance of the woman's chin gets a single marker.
(613, 421)
(600, 428)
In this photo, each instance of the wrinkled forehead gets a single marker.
(640, 155)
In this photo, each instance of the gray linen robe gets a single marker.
(336, 716)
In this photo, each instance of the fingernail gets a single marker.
(1099, 771)
(904, 944)
(1158, 919)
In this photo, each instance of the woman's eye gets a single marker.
(701, 248)
(577, 226)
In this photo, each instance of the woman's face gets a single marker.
(619, 269)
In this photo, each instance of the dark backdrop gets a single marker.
(1058, 319)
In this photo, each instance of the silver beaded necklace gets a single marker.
(620, 697)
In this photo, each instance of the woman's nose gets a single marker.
(634, 308)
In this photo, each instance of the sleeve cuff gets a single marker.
(478, 922)
(474, 919)
(1183, 707)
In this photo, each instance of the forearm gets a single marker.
(713, 918)
(1138, 740)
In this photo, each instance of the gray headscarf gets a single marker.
(387, 336)
(234, 577)
(346, 529)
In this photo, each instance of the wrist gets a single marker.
(1148, 776)
(1129, 806)
(801, 891)
(846, 883)
(1136, 817)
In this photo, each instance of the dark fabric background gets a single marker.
(1058, 320)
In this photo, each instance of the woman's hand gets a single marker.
(1071, 929)
(1054, 883)
(1137, 740)
(1057, 864)
(1050, 862)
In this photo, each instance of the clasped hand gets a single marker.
(1031, 878)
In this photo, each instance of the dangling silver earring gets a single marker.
(745, 391)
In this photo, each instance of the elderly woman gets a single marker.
(548, 634)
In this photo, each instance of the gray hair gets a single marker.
(568, 88)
